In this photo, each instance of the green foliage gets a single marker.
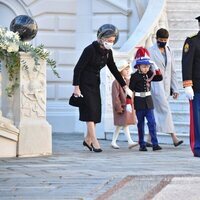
(10, 46)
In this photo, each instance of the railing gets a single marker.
(144, 34)
(119, 6)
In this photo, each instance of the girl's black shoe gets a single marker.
(86, 145)
(96, 150)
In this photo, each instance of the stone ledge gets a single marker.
(8, 134)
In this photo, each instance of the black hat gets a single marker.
(198, 18)
(108, 30)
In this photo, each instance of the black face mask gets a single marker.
(161, 44)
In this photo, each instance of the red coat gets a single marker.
(121, 116)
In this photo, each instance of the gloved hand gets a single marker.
(154, 65)
(156, 68)
(129, 108)
(189, 92)
(128, 91)
(129, 104)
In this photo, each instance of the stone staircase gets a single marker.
(181, 19)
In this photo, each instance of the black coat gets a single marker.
(87, 76)
(191, 62)
(142, 83)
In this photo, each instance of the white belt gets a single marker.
(142, 94)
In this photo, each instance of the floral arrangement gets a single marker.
(10, 46)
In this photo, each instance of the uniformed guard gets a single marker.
(191, 84)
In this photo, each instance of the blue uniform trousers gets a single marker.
(195, 125)
(151, 123)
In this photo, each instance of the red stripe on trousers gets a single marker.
(192, 136)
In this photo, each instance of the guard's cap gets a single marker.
(198, 18)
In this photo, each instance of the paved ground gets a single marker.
(74, 173)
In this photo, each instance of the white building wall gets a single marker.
(65, 28)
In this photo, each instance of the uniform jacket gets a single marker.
(121, 116)
(191, 62)
(161, 90)
(92, 60)
(142, 83)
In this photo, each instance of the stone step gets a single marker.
(179, 104)
(181, 23)
(178, 66)
(182, 34)
(179, 73)
(177, 52)
(181, 116)
(182, 14)
(177, 43)
(182, 127)
(183, 1)
(193, 5)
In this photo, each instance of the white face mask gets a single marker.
(108, 45)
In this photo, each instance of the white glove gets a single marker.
(189, 92)
(128, 92)
(154, 65)
(129, 108)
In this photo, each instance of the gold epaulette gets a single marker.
(187, 83)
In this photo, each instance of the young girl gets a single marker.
(140, 84)
(124, 114)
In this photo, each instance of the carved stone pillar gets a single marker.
(35, 133)
(8, 132)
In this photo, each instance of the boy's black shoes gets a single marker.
(156, 147)
(143, 148)
(148, 144)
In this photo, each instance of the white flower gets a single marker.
(9, 40)
(10, 44)
(9, 34)
(13, 48)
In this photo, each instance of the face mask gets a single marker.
(108, 45)
(161, 44)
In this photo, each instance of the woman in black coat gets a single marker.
(86, 80)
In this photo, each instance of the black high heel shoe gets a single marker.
(96, 150)
(86, 145)
(178, 143)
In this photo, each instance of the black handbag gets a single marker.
(76, 101)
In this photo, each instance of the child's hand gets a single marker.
(129, 108)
